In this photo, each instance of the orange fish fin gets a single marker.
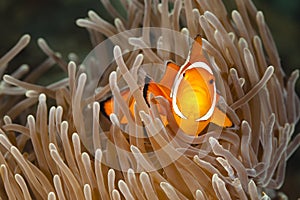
(221, 119)
(196, 54)
(130, 100)
(155, 89)
(173, 66)
(169, 75)
(164, 120)
(107, 106)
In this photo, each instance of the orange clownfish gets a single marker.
(190, 90)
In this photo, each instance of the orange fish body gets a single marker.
(190, 90)
(193, 99)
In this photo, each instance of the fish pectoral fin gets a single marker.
(221, 119)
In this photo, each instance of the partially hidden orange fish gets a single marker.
(190, 90)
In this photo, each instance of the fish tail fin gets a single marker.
(107, 105)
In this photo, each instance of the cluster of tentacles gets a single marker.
(55, 143)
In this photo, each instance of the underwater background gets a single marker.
(54, 20)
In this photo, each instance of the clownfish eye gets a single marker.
(211, 81)
(183, 74)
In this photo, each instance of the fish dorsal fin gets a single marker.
(196, 54)
(171, 65)
(169, 75)
(163, 87)
(156, 89)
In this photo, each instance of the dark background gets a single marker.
(54, 21)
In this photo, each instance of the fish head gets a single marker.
(194, 97)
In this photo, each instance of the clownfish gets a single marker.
(190, 90)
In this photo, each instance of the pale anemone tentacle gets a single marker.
(52, 156)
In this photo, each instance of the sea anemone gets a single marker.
(56, 144)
